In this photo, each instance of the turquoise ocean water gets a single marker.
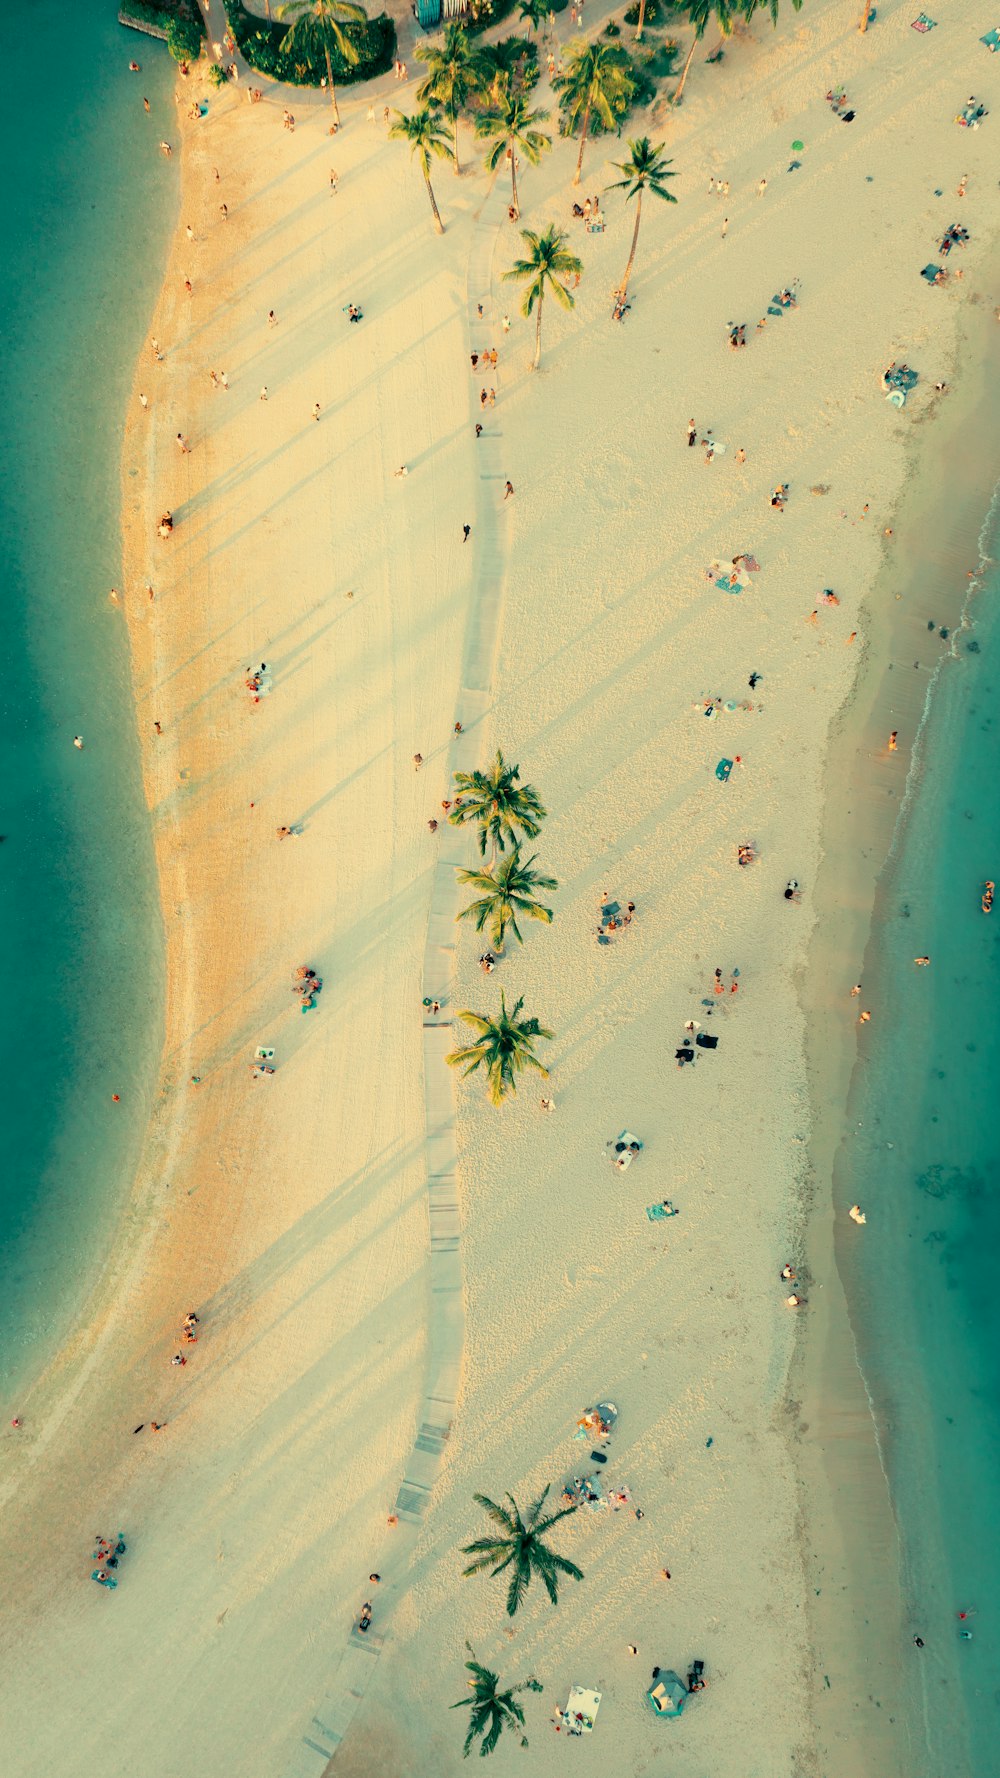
(88, 208)
(924, 1162)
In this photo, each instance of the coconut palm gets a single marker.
(453, 74)
(547, 263)
(507, 69)
(748, 7)
(506, 890)
(317, 25)
(521, 1545)
(506, 1045)
(534, 13)
(499, 802)
(598, 83)
(422, 130)
(512, 130)
(644, 170)
(492, 1710)
(700, 14)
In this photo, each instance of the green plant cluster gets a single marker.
(655, 9)
(482, 14)
(260, 42)
(181, 20)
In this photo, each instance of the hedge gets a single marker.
(180, 21)
(260, 42)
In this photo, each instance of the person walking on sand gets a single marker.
(761, 187)
(741, 455)
(508, 490)
(334, 180)
(272, 319)
(263, 392)
(505, 323)
(466, 529)
(182, 445)
(189, 231)
(692, 432)
(418, 760)
(479, 429)
(725, 227)
(143, 400)
(224, 212)
(315, 410)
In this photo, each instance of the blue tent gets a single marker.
(428, 13)
(669, 1694)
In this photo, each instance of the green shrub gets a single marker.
(217, 75)
(654, 10)
(612, 30)
(484, 13)
(260, 43)
(184, 40)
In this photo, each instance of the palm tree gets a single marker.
(597, 81)
(865, 14)
(534, 12)
(506, 890)
(507, 69)
(499, 802)
(700, 14)
(512, 131)
(521, 1545)
(505, 1045)
(749, 7)
(422, 130)
(548, 262)
(645, 168)
(492, 1710)
(453, 73)
(318, 25)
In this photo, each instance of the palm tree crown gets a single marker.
(644, 170)
(317, 25)
(512, 130)
(499, 802)
(453, 72)
(422, 130)
(506, 890)
(492, 1710)
(544, 267)
(534, 12)
(598, 83)
(506, 1045)
(520, 1547)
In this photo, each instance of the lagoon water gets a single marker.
(89, 206)
(924, 1162)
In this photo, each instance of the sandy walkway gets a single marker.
(292, 1212)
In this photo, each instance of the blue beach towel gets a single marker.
(660, 1212)
(723, 770)
(992, 40)
(930, 272)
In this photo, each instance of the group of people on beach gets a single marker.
(107, 1555)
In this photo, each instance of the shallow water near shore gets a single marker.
(83, 239)
(922, 1159)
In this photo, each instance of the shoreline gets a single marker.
(840, 1442)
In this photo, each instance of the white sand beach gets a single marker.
(406, 1295)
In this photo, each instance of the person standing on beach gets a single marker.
(761, 187)
(182, 445)
(725, 227)
(263, 392)
(143, 400)
(316, 410)
(692, 432)
(508, 490)
(334, 180)
(466, 529)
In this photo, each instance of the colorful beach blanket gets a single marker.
(992, 40)
(923, 23)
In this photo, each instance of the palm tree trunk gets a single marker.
(438, 224)
(513, 180)
(583, 139)
(538, 329)
(623, 291)
(679, 94)
(329, 76)
(642, 20)
(865, 10)
(454, 128)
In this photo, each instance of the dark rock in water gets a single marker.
(943, 633)
(931, 623)
(972, 646)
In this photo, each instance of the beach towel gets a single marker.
(992, 40)
(660, 1212)
(706, 1041)
(931, 273)
(723, 770)
(923, 23)
(774, 309)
